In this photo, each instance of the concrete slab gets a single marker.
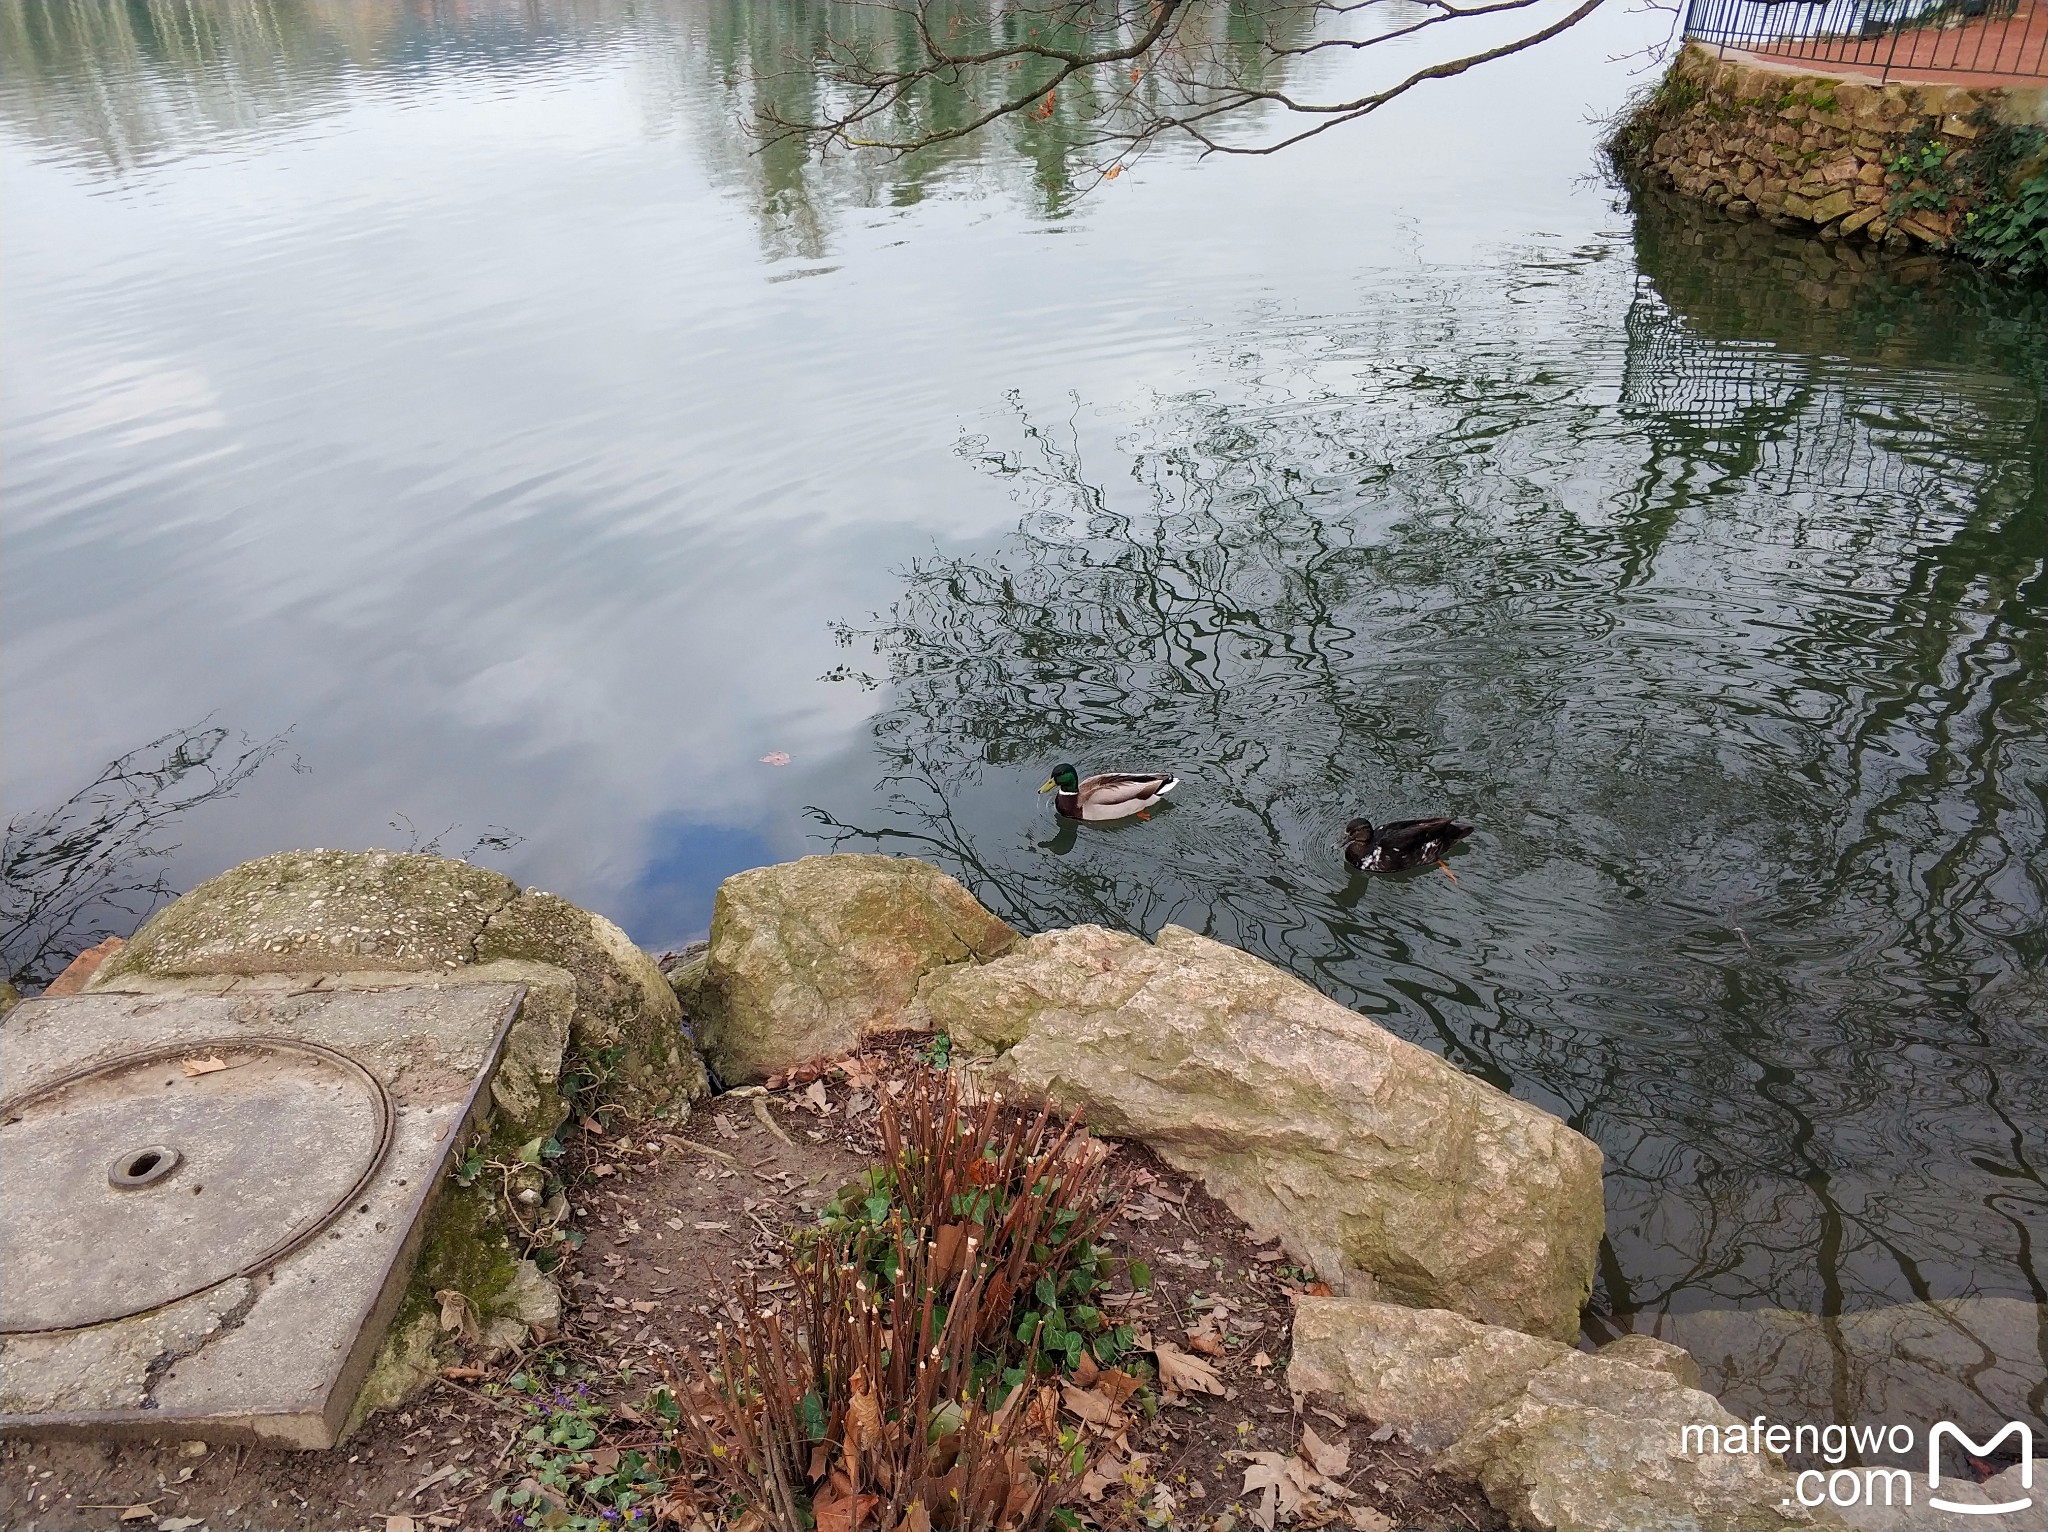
(210, 1204)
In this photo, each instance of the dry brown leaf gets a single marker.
(859, 1075)
(1086, 1372)
(1042, 1418)
(915, 1518)
(400, 1524)
(138, 1513)
(1366, 1519)
(848, 1513)
(1266, 1472)
(1330, 1460)
(194, 1068)
(1095, 1481)
(456, 1314)
(1205, 1338)
(952, 1249)
(462, 1374)
(1180, 1373)
(1261, 1361)
(814, 1098)
(1108, 1471)
(1086, 1404)
(1117, 1384)
(863, 1423)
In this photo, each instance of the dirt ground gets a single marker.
(676, 1223)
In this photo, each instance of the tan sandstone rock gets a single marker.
(1561, 1441)
(1428, 1373)
(808, 957)
(1390, 1171)
(1593, 1444)
(1657, 1355)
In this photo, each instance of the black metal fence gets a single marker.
(1884, 37)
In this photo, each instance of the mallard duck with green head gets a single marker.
(1402, 844)
(1109, 795)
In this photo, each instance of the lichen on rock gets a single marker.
(627, 1023)
(392, 913)
(1390, 1171)
(1597, 1444)
(1428, 1373)
(808, 957)
(1561, 1441)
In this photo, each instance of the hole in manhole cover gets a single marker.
(133, 1184)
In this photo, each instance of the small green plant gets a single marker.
(908, 1385)
(1062, 1323)
(939, 1051)
(1999, 182)
(1022, 1192)
(1634, 129)
(574, 1480)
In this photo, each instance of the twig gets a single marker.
(761, 1111)
(496, 1404)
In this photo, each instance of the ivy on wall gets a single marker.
(1999, 183)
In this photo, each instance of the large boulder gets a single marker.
(1560, 1441)
(1428, 1373)
(1599, 1444)
(1389, 1171)
(378, 916)
(808, 957)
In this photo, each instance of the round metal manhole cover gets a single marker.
(130, 1185)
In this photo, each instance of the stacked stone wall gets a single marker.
(1846, 158)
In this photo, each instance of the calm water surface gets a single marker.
(456, 389)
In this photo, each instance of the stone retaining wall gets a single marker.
(1845, 157)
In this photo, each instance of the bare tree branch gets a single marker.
(905, 75)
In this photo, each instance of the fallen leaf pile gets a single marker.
(1181, 1373)
(1305, 1489)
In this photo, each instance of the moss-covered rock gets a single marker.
(627, 1026)
(394, 913)
(808, 957)
(320, 912)
(1389, 1170)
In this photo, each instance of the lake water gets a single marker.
(454, 397)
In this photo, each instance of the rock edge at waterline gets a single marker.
(1389, 1171)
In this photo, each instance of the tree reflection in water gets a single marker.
(89, 868)
(118, 88)
(1728, 632)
